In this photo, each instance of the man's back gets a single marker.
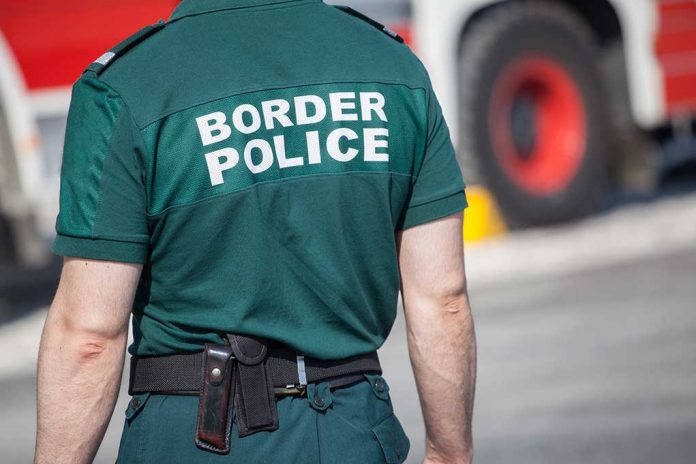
(266, 153)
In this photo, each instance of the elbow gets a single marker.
(94, 337)
(447, 299)
(86, 348)
(75, 350)
(456, 303)
(93, 331)
(456, 319)
(80, 341)
(452, 297)
(89, 346)
(90, 349)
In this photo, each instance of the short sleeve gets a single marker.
(438, 189)
(102, 193)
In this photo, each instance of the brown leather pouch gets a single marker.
(214, 407)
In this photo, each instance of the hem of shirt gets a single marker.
(436, 209)
(100, 249)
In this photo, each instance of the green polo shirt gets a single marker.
(258, 158)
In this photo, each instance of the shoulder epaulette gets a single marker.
(109, 57)
(371, 22)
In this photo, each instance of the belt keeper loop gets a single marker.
(301, 372)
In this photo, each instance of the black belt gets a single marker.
(250, 370)
(183, 373)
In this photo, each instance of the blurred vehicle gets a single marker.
(44, 47)
(554, 101)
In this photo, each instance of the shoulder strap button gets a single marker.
(371, 22)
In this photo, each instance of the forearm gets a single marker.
(79, 375)
(442, 348)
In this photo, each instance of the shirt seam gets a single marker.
(249, 90)
(143, 145)
(438, 198)
(274, 181)
(109, 150)
(109, 238)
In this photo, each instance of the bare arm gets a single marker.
(441, 340)
(81, 358)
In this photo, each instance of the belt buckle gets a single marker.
(291, 390)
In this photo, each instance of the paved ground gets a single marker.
(587, 347)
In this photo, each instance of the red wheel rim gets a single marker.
(549, 158)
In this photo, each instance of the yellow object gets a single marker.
(482, 218)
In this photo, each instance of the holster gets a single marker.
(254, 397)
(238, 370)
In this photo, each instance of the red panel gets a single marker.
(54, 41)
(682, 92)
(676, 6)
(677, 42)
(675, 46)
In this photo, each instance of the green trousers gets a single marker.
(350, 424)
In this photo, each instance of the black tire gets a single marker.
(498, 37)
(634, 163)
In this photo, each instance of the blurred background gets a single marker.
(575, 127)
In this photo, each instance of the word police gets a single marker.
(342, 144)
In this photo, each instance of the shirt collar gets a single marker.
(194, 7)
